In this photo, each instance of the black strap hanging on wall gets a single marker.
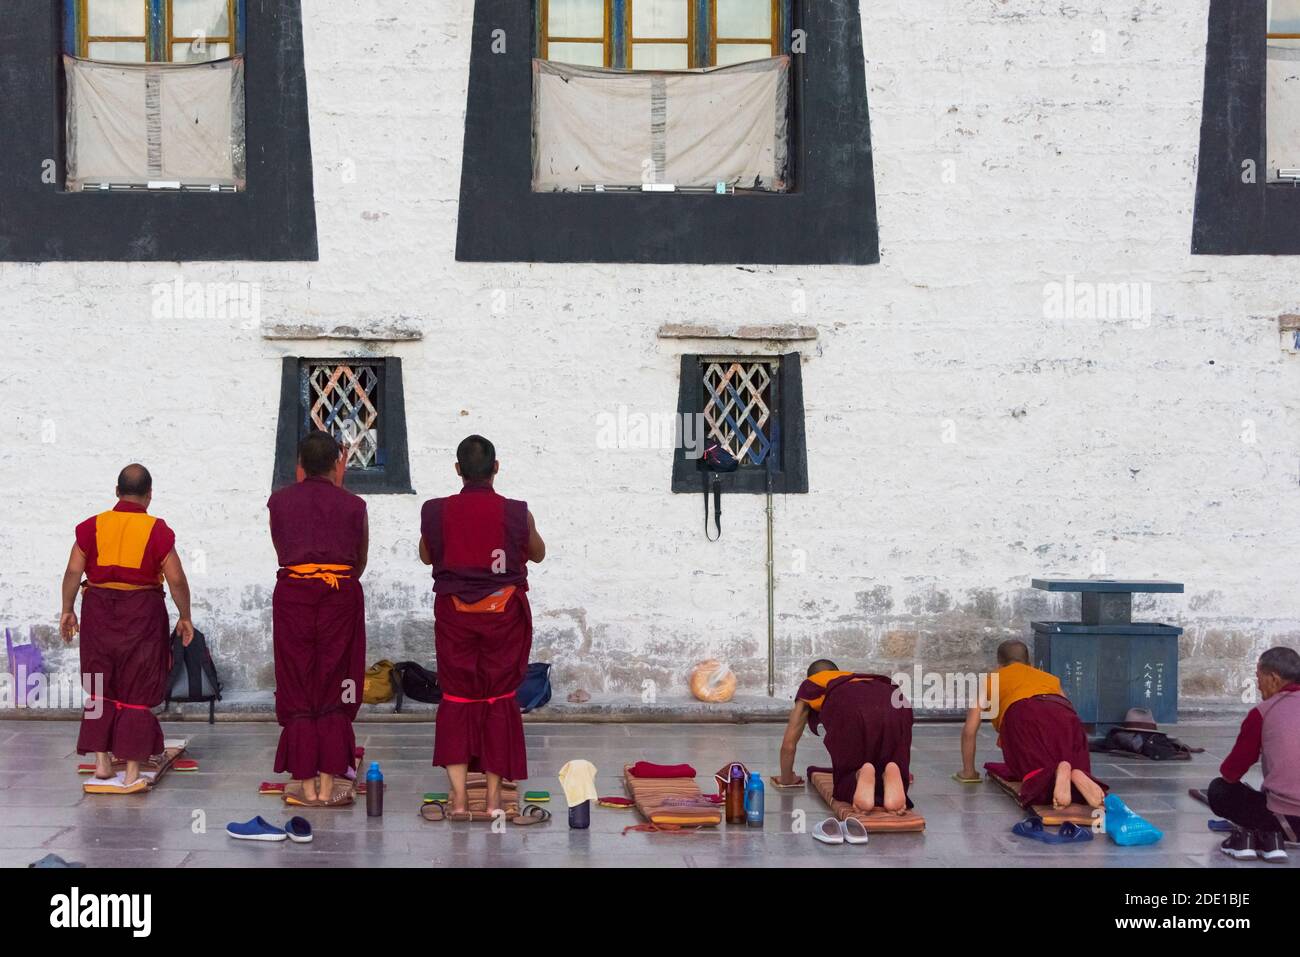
(713, 464)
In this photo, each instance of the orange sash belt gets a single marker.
(494, 603)
(121, 586)
(329, 574)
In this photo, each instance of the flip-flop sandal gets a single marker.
(828, 832)
(434, 811)
(776, 783)
(956, 776)
(855, 832)
(458, 817)
(531, 814)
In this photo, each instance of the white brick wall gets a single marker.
(1073, 439)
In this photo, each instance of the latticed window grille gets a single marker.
(343, 401)
(738, 403)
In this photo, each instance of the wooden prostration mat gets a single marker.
(153, 770)
(1080, 814)
(675, 802)
(877, 821)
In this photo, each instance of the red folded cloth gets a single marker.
(644, 769)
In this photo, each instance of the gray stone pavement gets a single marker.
(43, 809)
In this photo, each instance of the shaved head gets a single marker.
(134, 481)
(820, 665)
(1013, 652)
(477, 458)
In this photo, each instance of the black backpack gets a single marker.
(193, 676)
(417, 683)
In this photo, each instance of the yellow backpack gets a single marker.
(380, 683)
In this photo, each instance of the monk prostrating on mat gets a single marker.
(1043, 742)
(868, 735)
(318, 613)
(479, 544)
(125, 555)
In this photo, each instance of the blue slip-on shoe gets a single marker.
(298, 830)
(258, 829)
(1032, 827)
(1071, 833)
(1226, 827)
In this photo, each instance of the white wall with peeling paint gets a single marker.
(962, 436)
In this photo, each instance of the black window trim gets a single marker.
(1233, 217)
(394, 477)
(272, 220)
(829, 218)
(790, 476)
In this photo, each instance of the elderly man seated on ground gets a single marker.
(1270, 734)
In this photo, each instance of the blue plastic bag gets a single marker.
(1126, 828)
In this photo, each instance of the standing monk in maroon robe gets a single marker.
(479, 544)
(868, 734)
(125, 555)
(318, 610)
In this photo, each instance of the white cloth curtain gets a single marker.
(694, 129)
(130, 124)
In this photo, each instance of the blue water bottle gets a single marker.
(374, 791)
(754, 800)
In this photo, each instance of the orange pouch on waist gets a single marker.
(493, 604)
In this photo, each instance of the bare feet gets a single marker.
(1090, 789)
(132, 773)
(103, 765)
(459, 803)
(895, 796)
(326, 787)
(310, 791)
(864, 797)
(1061, 795)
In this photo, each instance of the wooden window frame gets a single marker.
(715, 40)
(630, 40)
(231, 38)
(155, 43)
(545, 39)
(619, 44)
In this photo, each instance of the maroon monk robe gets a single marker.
(863, 726)
(125, 652)
(478, 543)
(319, 623)
(1038, 734)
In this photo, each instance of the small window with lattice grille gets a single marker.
(738, 403)
(753, 407)
(360, 403)
(342, 398)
